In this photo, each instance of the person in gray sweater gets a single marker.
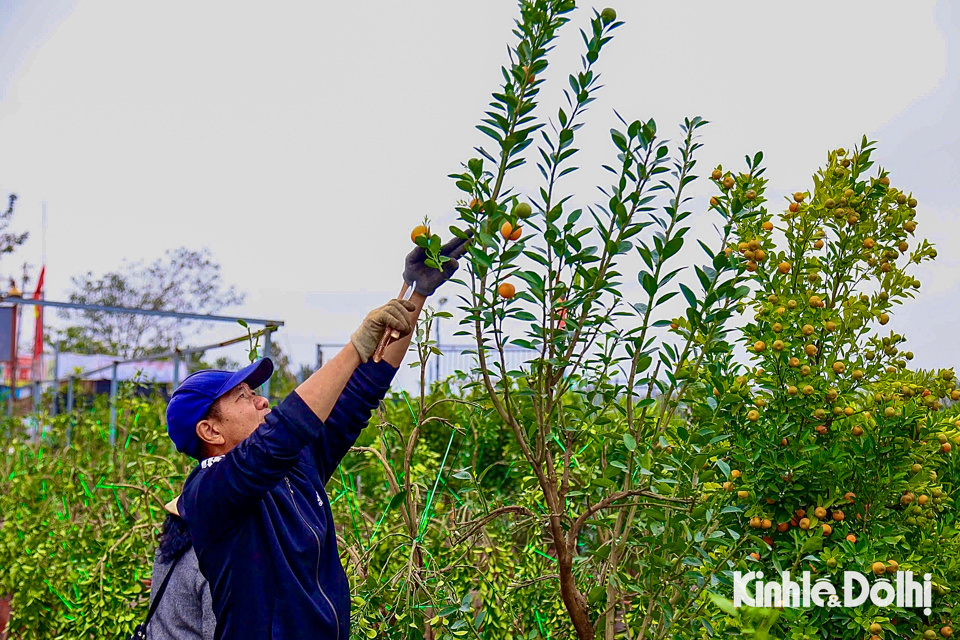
(186, 610)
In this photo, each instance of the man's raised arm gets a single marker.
(323, 388)
(346, 401)
(229, 483)
(364, 390)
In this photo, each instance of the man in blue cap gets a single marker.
(255, 505)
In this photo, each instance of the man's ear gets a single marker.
(210, 433)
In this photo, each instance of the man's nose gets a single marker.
(262, 403)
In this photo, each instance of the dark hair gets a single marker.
(174, 538)
(214, 412)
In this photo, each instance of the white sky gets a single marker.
(301, 142)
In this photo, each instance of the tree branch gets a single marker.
(477, 524)
(608, 501)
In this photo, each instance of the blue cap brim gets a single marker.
(254, 374)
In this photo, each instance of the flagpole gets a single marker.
(43, 293)
(43, 234)
(23, 283)
(37, 355)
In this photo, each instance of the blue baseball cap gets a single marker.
(197, 393)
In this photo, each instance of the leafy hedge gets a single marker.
(80, 521)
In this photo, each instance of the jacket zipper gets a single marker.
(319, 555)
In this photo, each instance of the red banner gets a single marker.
(38, 311)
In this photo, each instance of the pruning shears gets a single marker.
(389, 335)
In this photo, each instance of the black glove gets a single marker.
(429, 278)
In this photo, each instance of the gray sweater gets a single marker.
(186, 611)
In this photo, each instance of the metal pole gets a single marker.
(266, 354)
(13, 360)
(143, 312)
(70, 409)
(176, 383)
(185, 354)
(176, 370)
(36, 396)
(113, 407)
(16, 361)
(319, 356)
(56, 376)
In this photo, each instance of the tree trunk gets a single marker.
(574, 601)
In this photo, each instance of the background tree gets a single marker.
(283, 381)
(10, 241)
(183, 280)
(222, 362)
(284, 378)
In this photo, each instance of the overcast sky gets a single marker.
(301, 142)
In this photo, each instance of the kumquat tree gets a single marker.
(676, 423)
(654, 466)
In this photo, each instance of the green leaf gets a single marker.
(618, 139)
(479, 255)
(630, 442)
(643, 363)
(814, 543)
(740, 292)
(724, 468)
(490, 132)
(596, 594)
(648, 282)
(667, 296)
(532, 278)
(672, 247)
(723, 604)
(397, 500)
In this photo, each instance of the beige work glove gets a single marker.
(395, 314)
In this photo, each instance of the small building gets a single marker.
(92, 375)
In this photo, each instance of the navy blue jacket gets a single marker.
(262, 525)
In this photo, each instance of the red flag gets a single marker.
(38, 311)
